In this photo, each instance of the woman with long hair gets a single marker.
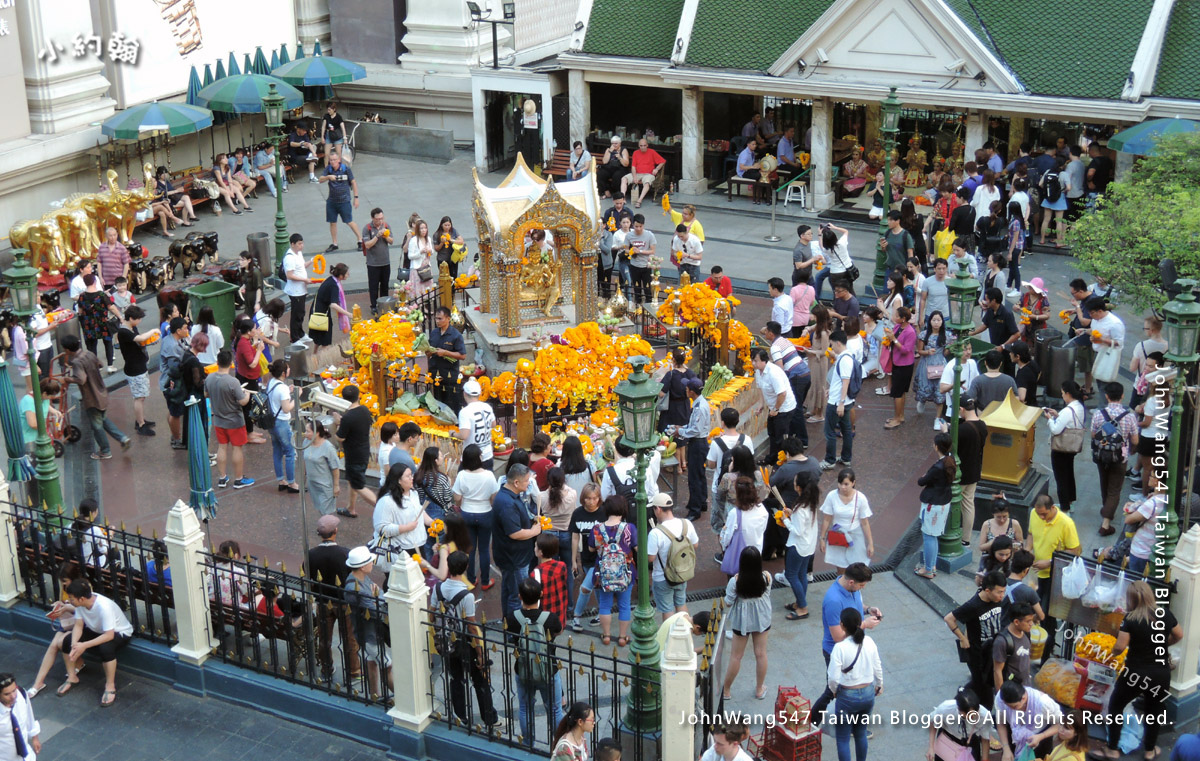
(749, 618)
(741, 466)
(206, 323)
(991, 230)
(931, 348)
(400, 519)
(321, 466)
(421, 257)
(872, 326)
(985, 193)
(855, 679)
(935, 502)
(997, 558)
(570, 736)
(283, 453)
(800, 519)
(474, 489)
(818, 362)
(558, 504)
(615, 532)
(91, 539)
(746, 525)
(1147, 671)
(835, 247)
(1018, 241)
(903, 338)
(894, 298)
(250, 288)
(583, 550)
(456, 538)
(229, 188)
(803, 297)
(247, 367)
(577, 471)
(845, 535)
(1052, 211)
(914, 224)
(433, 489)
(994, 276)
(62, 622)
(96, 312)
(447, 239)
(674, 388)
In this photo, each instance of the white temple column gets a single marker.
(1185, 604)
(822, 154)
(976, 133)
(441, 38)
(68, 92)
(579, 104)
(312, 24)
(692, 182)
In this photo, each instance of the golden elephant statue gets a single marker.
(79, 234)
(18, 234)
(46, 248)
(122, 207)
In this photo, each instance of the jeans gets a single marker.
(697, 453)
(510, 577)
(564, 554)
(269, 177)
(102, 425)
(930, 544)
(799, 427)
(282, 451)
(693, 272)
(585, 591)
(1014, 271)
(795, 570)
(822, 276)
(853, 712)
(1136, 566)
(624, 277)
(297, 317)
(605, 601)
(377, 283)
(479, 525)
(551, 699)
(90, 343)
(834, 423)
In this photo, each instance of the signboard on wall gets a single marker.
(175, 35)
(12, 76)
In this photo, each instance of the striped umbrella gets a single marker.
(274, 60)
(243, 94)
(11, 419)
(283, 54)
(323, 70)
(259, 66)
(202, 498)
(174, 118)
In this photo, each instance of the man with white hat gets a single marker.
(670, 541)
(362, 599)
(476, 420)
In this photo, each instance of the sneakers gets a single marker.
(216, 207)
(331, 248)
(920, 407)
(144, 430)
(101, 455)
(313, 178)
(781, 579)
(575, 625)
(111, 369)
(827, 465)
(719, 558)
(222, 482)
(178, 444)
(1014, 294)
(242, 483)
(126, 444)
(594, 620)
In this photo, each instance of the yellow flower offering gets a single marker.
(545, 523)
(1096, 335)
(437, 527)
(779, 517)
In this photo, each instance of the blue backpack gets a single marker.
(856, 376)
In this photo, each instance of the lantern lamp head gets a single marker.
(273, 104)
(1181, 324)
(22, 283)
(964, 293)
(638, 399)
(891, 113)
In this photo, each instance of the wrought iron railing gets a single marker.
(709, 673)
(118, 563)
(305, 631)
(477, 692)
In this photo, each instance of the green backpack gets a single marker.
(533, 657)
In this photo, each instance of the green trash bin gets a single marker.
(216, 294)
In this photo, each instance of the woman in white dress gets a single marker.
(847, 513)
(421, 254)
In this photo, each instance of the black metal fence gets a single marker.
(710, 675)
(310, 632)
(124, 566)
(475, 688)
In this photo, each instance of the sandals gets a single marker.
(794, 616)
(922, 573)
(32, 692)
(108, 698)
(892, 424)
(882, 392)
(606, 640)
(761, 694)
(347, 514)
(65, 688)
(622, 641)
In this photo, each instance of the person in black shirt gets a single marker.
(1099, 171)
(976, 623)
(331, 301)
(333, 128)
(136, 360)
(1147, 631)
(998, 320)
(354, 431)
(301, 149)
(1027, 372)
(962, 219)
(328, 570)
(446, 350)
(530, 590)
(192, 375)
(583, 561)
(972, 435)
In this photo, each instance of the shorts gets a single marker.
(335, 209)
(747, 634)
(1148, 446)
(176, 409)
(25, 370)
(667, 597)
(372, 651)
(233, 436)
(139, 385)
(356, 474)
(106, 651)
(1085, 356)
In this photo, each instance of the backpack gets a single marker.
(624, 489)
(1010, 648)
(534, 666)
(856, 377)
(450, 637)
(1109, 443)
(1053, 186)
(612, 566)
(726, 453)
(680, 565)
(261, 411)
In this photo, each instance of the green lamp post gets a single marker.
(1181, 329)
(964, 294)
(273, 107)
(638, 399)
(889, 128)
(22, 284)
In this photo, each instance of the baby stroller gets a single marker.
(60, 427)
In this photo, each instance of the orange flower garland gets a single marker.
(319, 264)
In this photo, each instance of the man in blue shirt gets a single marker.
(973, 179)
(513, 535)
(694, 436)
(446, 350)
(846, 592)
(748, 167)
(750, 128)
(994, 161)
(341, 184)
(787, 150)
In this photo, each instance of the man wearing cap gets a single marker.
(446, 349)
(365, 611)
(327, 568)
(613, 167)
(694, 436)
(476, 421)
(669, 598)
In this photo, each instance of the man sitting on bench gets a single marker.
(99, 625)
(749, 169)
(301, 149)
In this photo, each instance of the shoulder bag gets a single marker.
(319, 321)
(1070, 439)
(836, 536)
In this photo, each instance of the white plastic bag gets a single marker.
(1114, 595)
(1075, 579)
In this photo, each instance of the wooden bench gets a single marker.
(739, 183)
(558, 165)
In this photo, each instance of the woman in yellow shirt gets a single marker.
(1072, 739)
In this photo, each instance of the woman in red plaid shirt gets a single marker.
(552, 573)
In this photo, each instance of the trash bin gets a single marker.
(299, 358)
(216, 294)
(1061, 362)
(1043, 340)
(260, 248)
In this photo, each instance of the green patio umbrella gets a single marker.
(208, 78)
(322, 70)
(283, 53)
(1142, 139)
(248, 66)
(201, 496)
(12, 421)
(299, 50)
(233, 67)
(243, 93)
(316, 47)
(220, 71)
(193, 87)
(274, 60)
(259, 65)
(173, 118)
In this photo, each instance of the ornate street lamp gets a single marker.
(22, 284)
(638, 399)
(889, 128)
(273, 108)
(1181, 328)
(964, 294)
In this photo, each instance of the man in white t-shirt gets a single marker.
(99, 625)
(668, 598)
(476, 421)
(838, 404)
(781, 304)
(1104, 322)
(690, 251)
(717, 459)
(625, 468)
(777, 395)
(727, 744)
(970, 371)
(295, 270)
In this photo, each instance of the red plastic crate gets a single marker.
(777, 745)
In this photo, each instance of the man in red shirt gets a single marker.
(646, 165)
(719, 282)
(552, 573)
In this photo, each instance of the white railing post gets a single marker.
(679, 694)
(407, 598)
(1185, 604)
(12, 586)
(185, 544)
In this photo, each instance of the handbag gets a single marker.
(319, 321)
(1068, 440)
(1107, 364)
(732, 560)
(836, 536)
(425, 272)
(947, 748)
(934, 372)
(853, 273)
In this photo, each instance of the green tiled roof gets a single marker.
(636, 28)
(1179, 66)
(1087, 53)
(749, 34)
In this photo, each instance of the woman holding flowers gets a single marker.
(818, 359)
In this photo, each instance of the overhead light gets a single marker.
(801, 65)
(956, 65)
(476, 11)
(510, 11)
(579, 26)
(981, 78)
(822, 56)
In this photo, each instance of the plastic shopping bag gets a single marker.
(1114, 597)
(1075, 579)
